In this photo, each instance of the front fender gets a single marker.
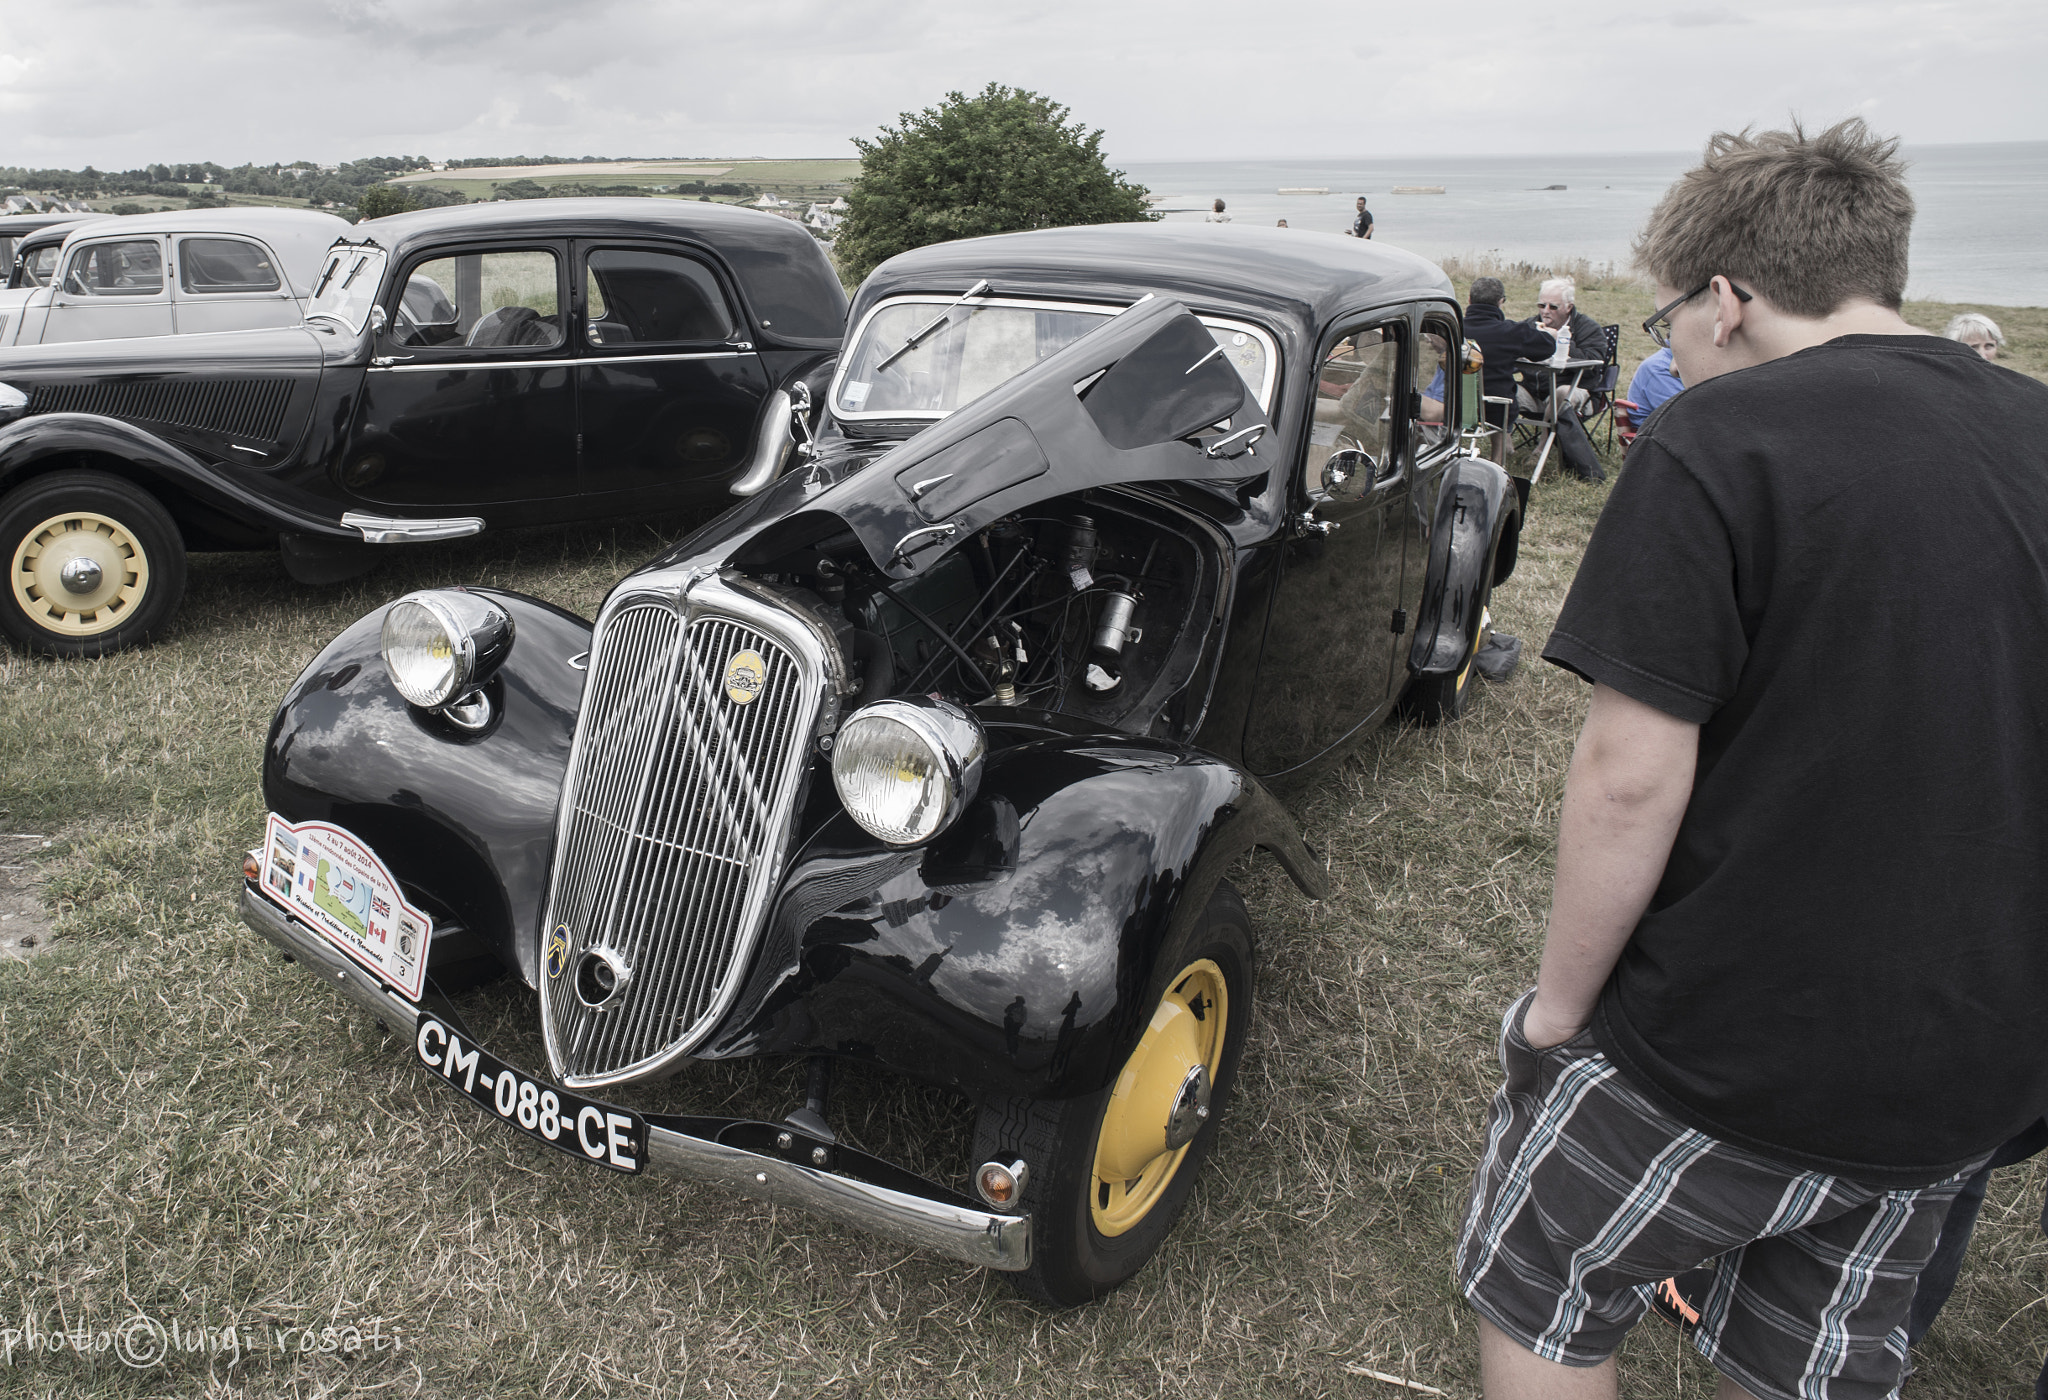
(467, 821)
(28, 441)
(1018, 971)
(1476, 510)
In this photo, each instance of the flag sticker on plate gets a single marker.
(337, 886)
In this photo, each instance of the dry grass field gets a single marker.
(193, 1133)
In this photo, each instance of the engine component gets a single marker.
(1078, 559)
(1113, 631)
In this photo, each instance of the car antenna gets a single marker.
(929, 326)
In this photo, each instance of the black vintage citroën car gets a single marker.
(463, 368)
(934, 754)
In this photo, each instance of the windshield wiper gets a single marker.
(929, 326)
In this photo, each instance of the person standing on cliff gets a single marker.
(1791, 994)
(1361, 222)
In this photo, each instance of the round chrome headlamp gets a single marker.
(441, 644)
(906, 768)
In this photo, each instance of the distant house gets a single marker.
(767, 201)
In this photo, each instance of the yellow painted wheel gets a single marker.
(1161, 1098)
(1111, 1170)
(79, 574)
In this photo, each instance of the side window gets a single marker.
(638, 297)
(1438, 381)
(225, 265)
(486, 301)
(38, 265)
(129, 268)
(1355, 409)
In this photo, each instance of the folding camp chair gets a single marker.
(1608, 384)
(1628, 417)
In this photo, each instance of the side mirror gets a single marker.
(1348, 473)
(378, 320)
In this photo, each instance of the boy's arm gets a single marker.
(1630, 780)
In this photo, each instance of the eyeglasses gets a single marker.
(1550, 306)
(1658, 326)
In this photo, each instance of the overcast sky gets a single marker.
(118, 83)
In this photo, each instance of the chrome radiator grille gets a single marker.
(674, 813)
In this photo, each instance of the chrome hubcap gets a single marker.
(80, 575)
(1190, 1108)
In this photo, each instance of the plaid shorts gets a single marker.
(1588, 1195)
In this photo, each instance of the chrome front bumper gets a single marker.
(978, 1237)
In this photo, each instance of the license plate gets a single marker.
(339, 888)
(591, 1132)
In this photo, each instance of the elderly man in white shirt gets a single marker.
(1579, 337)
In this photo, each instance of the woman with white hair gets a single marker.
(1977, 331)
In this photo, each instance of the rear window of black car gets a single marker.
(791, 288)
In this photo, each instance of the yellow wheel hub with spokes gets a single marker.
(1161, 1100)
(79, 574)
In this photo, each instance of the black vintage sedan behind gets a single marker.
(460, 368)
(934, 754)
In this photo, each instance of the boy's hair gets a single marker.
(1809, 221)
(1488, 291)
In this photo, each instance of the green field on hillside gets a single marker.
(783, 177)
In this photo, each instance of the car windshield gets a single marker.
(347, 285)
(979, 347)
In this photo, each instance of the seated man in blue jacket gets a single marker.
(1655, 381)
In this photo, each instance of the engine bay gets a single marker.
(1091, 605)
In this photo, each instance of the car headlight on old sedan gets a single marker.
(440, 645)
(906, 768)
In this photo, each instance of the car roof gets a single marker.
(1295, 279)
(14, 225)
(299, 237)
(782, 269)
(714, 223)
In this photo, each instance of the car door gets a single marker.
(110, 289)
(1327, 667)
(668, 392)
(227, 284)
(470, 401)
(1433, 446)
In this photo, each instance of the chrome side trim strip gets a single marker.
(444, 366)
(982, 1238)
(393, 529)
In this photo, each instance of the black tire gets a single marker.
(1073, 1259)
(121, 530)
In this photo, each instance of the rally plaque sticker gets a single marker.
(337, 886)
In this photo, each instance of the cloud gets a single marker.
(120, 82)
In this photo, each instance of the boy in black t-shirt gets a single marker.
(1789, 998)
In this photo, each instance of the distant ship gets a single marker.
(1304, 189)
(1418, 189)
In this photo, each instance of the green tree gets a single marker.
(1002, 160)
(378, 200)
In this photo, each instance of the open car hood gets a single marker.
(1146, 396)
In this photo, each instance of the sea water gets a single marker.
(1977, 237)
